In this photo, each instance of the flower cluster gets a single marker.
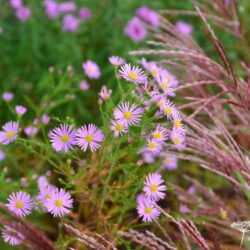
(64, 137)
(72, 16)
(153, 191)
(22, 13)
(135, 29)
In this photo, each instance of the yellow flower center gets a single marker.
(158, 135)
(167, 160)
(148, 210)
(159, 103)
(154, 72)
(118, 127)
(176, 140)
(164, 86)
(10, 134)
(127, 115)
(177, 123)
(168, 111)
(59, 203)
(90, 70)
(64, 138)
(19, 204)
(153, 188)
(105, 96)
(152, 145)
(89, 138)
(133, 75)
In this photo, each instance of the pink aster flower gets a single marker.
(63, 138)
(12, 235)
(169, 162)
(84, 85)
(9, 133)
(105, 93)
(16, 4)
(177, 122)
(133, 74)
(59, 204)
(140, 197)
(67, 7)
(147, 210)
(90, 136)
(45, 119)
(7, 96)
(160, 134)
(135, 30)
(23, 13)
(46, 193)
(165, 84)
(154, 187)
(148, 157)
(118, 127)
(30, 131)
(184, 209)
(42, 182)
(149, 16)
(128, 115)
(70, 23)
(2, 155)
(154, 146)
(168, 109)
(84, 14)
(116, 61)
(91, 69)
(184, 28)
(20, 204)
(192, 190)
(20, 110)
(51, 8)
(178, 139)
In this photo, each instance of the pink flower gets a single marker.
(149, 16)
(45, 119)
(84, 85)
(165, 83)
(67, 7)
(70, 23)
(84, 14)
(91, 69)
(9, 133)
(135, 30)
(31, 131)
(118, 127)
(59, 203)
(184, 209)
(178, 139)
(154, 146)
(51, 8)
(133, 74)
(116, 61)
(105, 93)
(128, 115)
(2, 155)
(16, 4)
(90, 136)
(154, 187)
(147, 210)
(169, 163)
(177, 122)
(63, 138)
(168, 109)
(20, 110)
(12, 235)
(23, 13)
(160, 134)
(20, 204)
(7, 96)
(184, 28)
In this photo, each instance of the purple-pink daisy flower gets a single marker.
(2, 155)
(51, 8)
(128, 115)
(154, 146)
(178, 139)
(118, 127)
(7, 96)
(133, 74)
(135, 30)
(67, 7)
(149, 16)
(12, 235)
(20, 110)
(147, 210)
(70, 23)
(63, 138)
(160, 133)
(9, 133)
(91, 69)
(154, 187)
(31, 130)
(116, 61)
(89, 136)
(169, 162)
(177, 122)
(84, 14)
(20, 204)
(184, 28)
(168, 109)
(165, 84)
(59, 203)
(23, 13)
(105, 93)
